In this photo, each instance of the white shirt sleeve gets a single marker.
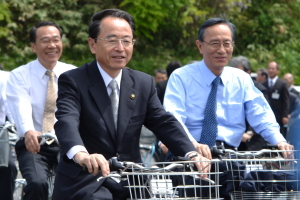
(74, 150)
(19, 103)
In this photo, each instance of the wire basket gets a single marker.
(262, 175)
(166, 182)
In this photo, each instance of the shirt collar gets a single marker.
(40, 70)
(107, 79)
(208, 76)
(273, 80)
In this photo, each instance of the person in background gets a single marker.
(8, 169)
(279, 97)
(289, 78)
(160, 75)
(101, 108)
(31, 96)
(262, 75)
(251, 140)
(161, 85)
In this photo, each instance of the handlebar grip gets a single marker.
(216, 152)
(271, 146)
(114, 164)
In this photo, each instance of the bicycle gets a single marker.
(20, 183)
(165, 182)
(11, 132)
(263, 174)
(148, 147)
(149, 154)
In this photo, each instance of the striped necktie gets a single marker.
(114, 99)
(48, 118)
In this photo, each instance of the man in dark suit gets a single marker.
(279, 97)
(262, 75)
(161, 85)
(251, 141)
(89, 130)
(289, 78)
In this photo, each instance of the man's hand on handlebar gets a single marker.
(31, 141)
(286, 146)
(203, 150)
(93, 162)
(203, 165)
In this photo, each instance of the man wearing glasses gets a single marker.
(101, 108)
(211, 101)
(27, 97)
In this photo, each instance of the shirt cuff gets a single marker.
(74, 150)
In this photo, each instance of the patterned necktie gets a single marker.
(114, 99)
(210, 122)
(48, 118)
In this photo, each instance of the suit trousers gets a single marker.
(7, 179)
(35, 169)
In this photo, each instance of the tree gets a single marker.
(270, 31)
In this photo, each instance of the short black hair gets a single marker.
(162, 71)
(241, 61)
(32, 31)
(172, 66)
(214, 21)
(264, 72)
(94, 28)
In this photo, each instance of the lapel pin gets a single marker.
(132, 96)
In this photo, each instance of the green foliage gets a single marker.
(4, 17)
(270, 31)
(166, 30)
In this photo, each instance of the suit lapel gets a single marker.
(275, 86)
(127, 101)
(99, 93)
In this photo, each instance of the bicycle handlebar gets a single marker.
(47, 137)
(116, 165)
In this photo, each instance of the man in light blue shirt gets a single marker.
(237, 97)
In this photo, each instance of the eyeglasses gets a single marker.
(113, 41)
(47, 41)
(217, 45)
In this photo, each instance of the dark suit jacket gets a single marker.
(293, 102)
(281, 105)
(293, 90)
(262, 88)
(85, 118)
(161, 89)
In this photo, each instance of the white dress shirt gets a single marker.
(107, 79)
(26, 94)
(272, 81)
(237, 98)
(4, 110)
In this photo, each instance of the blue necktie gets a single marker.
(210, 122)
